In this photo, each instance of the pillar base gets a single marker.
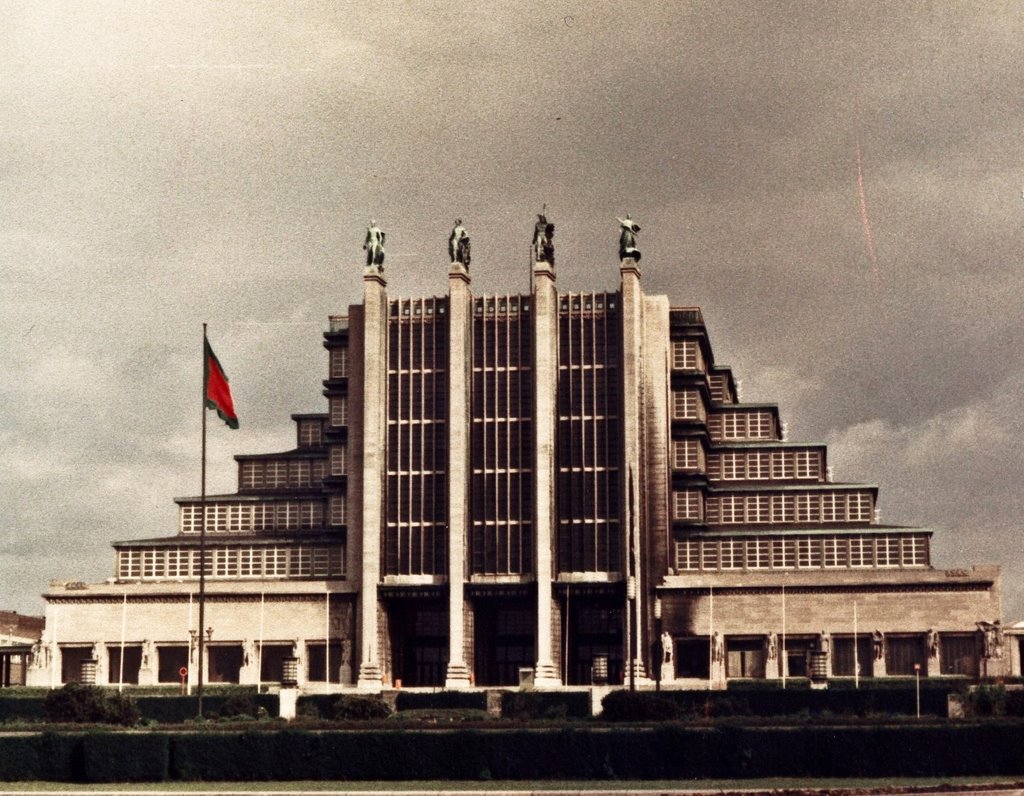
(545, 675)
(369, 678)
(457, 676)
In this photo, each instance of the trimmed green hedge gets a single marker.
(441, 700)
(670, 751)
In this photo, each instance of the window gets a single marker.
(731, 509)
(834, 551)
(915, 551)
(733, 426)
(783, 508)
(338, 453)
(887, 551)
(732, 554)
(129, 563)
(311, 433)
(807, 507)
(808, 464)
(759, 425)
(719, 389)
(338, 363)
(687, 505)
(783, 553)
(958, 654)
(685, 405)
(757, 508)
(861, 551)
(782, 465)
(686, 355)
(251, 475)
(758, 466)
(709, 554)
(902, 652)
(808, 552)
(338, 510)
(339, 410)
(758, 553)
(276, 474)
(859, 507)
(299, 474)
(688, 555)
(744, 657)
(733, 466)
(833, 507)
(686, 454)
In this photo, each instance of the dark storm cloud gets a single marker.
(165, 165)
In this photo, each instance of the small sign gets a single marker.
(183, 671)
(917, 667)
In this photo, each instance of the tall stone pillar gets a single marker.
(545, 374)
(375, 365)
(632, 461)
(460, 374)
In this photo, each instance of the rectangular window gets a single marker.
(251, 475)
(759, 425)
(338, 510)
(887, 551)
(958, 654)
(685, 405)
(719, 389)
(687, 505)
(732, 554)
(783, 553)
(744, 658)
(685, 355)
(902, 652)
(686, 454)
(730, 509)
(709, 554)
(338, 362)
(808, 464)
(338, 453)
(858, 507)
(733, 466)
(299, 474)
(783, 508)
(833, 507)
(861, 551)
(758, 508)
(915, 551)
(276, 474)
(733, 426)
(808, 552)
(782, 465)
(834, 551)
(688, 555)
(758, 553)
(758, 466)
(339, 410)
(807, 508)
(310, 433)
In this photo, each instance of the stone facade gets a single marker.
(560, 488)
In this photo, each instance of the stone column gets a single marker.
(460, 374)
(632, 462)
(545, 391)
(374, 387)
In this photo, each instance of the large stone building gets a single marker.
(543, 486)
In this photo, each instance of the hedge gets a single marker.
(670, 751)
(529, 705)
(441, 700)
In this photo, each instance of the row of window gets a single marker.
(501, 304)
(246, 561)
(765, 465)
(802, 552)
(282, 473)
(785, 507)
(419, 343)
(278, 515)
(311, 432)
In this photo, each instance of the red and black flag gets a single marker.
(217, 390)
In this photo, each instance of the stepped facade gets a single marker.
(555, 488)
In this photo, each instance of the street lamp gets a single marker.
(658, 645)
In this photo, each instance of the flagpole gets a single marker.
(202, 538)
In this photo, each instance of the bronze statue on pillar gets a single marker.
(458, 244)
(627, 239)
(543, 246)
(374, 245)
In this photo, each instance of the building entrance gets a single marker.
(418, 636)
(503, 640)
(594, 637)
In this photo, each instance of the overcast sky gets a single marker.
(839, 186)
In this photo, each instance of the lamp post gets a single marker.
(917, 683)
(658, 645)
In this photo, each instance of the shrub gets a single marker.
(360, 708)
(638, 706)
(531, 705)
(86, 704)
(239, 705)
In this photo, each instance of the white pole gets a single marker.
(188, 659)
(124, 626)
(259, 654)
(327, 638)
(711, 635)
(783, 661)
(54, 662)
(856, 658)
